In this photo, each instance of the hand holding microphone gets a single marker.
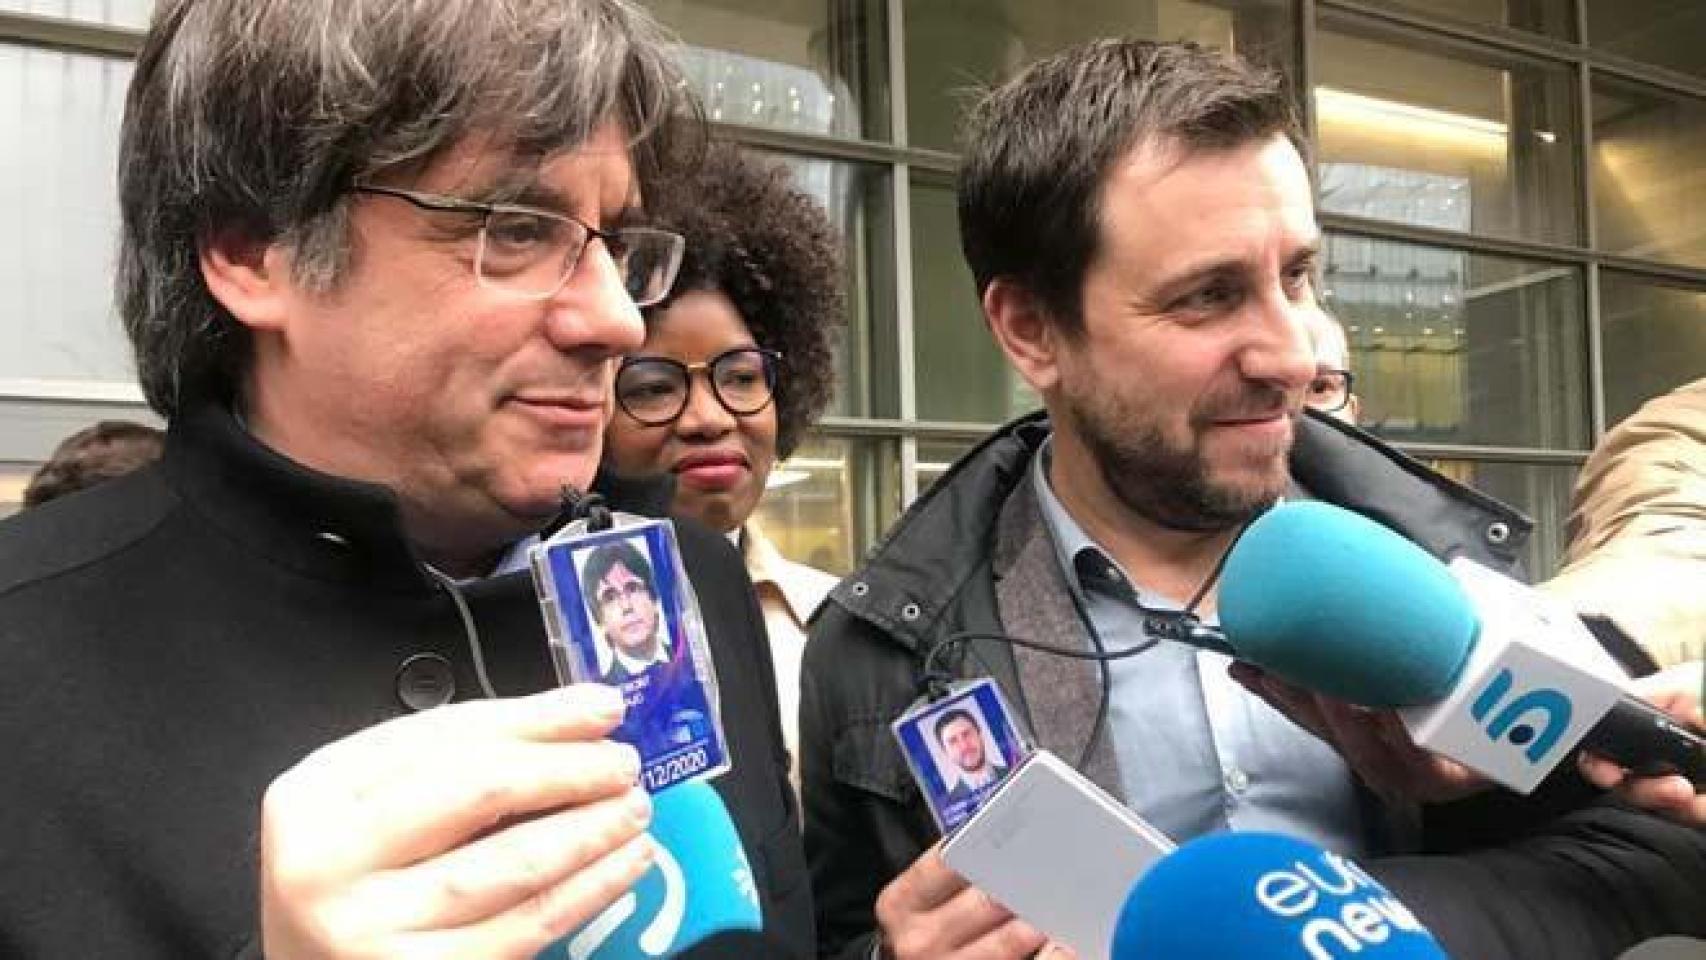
(1481, 669)
(1676, 691)
(1373, 742)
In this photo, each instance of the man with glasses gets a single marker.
(378, 264)
(1139, 220)
(1331, 391)
(621, 596)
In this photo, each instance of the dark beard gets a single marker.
(1168, 487)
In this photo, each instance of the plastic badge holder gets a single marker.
(960, 747)
(620, 610)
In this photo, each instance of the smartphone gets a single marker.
(1058, 851)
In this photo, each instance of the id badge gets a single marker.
(960, 747)
(620, 610)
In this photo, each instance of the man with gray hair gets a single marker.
(378, 260)
(1139, 220)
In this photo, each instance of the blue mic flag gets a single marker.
(1336, 603)
(1239, 895)
(700, 885)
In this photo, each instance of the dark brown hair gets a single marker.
(1039, 148)
(92, 456)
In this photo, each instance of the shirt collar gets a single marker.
(765, 564)
(635, 665)
(1083, 561)
(1086, 566)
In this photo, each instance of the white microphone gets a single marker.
(1484, 670)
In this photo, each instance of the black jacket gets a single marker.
(1542, 895)
(173, 641)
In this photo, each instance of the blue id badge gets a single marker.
(960, 747)
(620, 610)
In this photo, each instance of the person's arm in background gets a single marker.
(1637, 530)
(1676, 691)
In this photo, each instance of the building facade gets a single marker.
(1511, 190)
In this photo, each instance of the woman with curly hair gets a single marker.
(737, 364)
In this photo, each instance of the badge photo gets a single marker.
(620, 612)
(960, 747)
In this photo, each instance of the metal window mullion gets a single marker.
(1596, 356)
(73, 36)
(1532, 45)
(1506, 40)
(831, 148)
(1590, 237)
(1305, 26)
(900, 185)
(1492, 454)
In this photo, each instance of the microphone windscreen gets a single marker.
(700, 885)
(1336, 603)
(1238, 895)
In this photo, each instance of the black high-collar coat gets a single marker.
(173, 641)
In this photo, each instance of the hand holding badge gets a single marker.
(620, 610)
(960, 746)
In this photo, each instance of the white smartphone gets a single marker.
(1058, 851)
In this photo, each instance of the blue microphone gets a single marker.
(1334, 602)
(701, 885)
(1241, 895)
(1486, 671)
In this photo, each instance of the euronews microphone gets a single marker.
(700, 890)
(1239, 895)
(1484, 670)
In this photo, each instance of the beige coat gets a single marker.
(1637, 528)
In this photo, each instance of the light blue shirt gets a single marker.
(1197, 752)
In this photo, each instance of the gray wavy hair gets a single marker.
(257, 116)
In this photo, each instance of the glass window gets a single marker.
(1666, 33)
(1552, 18)
(1542, 491)
(935, 457)
(117, 13)
(857, 197)
(831, 500)
(1454, 347)
(1649, 148)
(59, 121)
(961, 374)
(954, 46)
(814, 66)
(1654, 339)
(1433, 135)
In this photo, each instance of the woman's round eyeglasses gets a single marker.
(654, 390)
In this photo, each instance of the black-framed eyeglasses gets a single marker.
(654, 390)
(531, 253)
(1330, 391)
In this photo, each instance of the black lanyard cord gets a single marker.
(1183, 626)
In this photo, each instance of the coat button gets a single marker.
(424, 681)
(910, 612)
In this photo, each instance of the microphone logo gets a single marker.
(656, 936)
(1533, 721)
